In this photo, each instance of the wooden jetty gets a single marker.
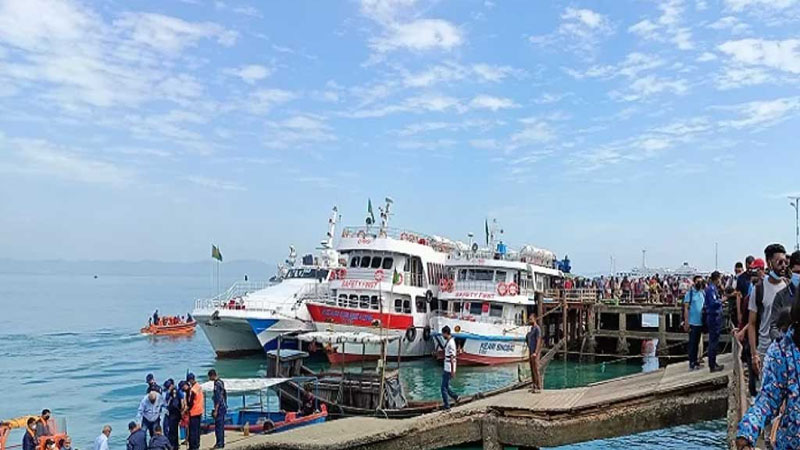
(667, 397)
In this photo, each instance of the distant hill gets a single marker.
(257, 270)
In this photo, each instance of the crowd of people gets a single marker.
(663, 289)
(158, 320)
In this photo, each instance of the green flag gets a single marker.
(215, 253)
(369, 210)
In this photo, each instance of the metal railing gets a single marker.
(517, 322)
(487, 286)
(234, 297)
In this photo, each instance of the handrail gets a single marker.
(479, 318)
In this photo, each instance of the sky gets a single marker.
(135, 130)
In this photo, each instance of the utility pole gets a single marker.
(795, 203)
(644, 258)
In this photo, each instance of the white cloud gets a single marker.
(214, 183)
(419, 35)
(442, 73)
(634, 64)
(298, 131)
(741, 5)
(782, 55)
(40, 157)
(650, 85)
(171, 34)
(765, 113)
(706, 57)
(250, 73)
(731, 23)
(666, 28)
(736, 77)
(644, 28)
(492, 73)
(263, 100)
(535, 131)
(580, 29)
(485, 144)
(493, 103)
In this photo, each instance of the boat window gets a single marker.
(353, 301)
(373, 303)
(376, 262)
(387, 263)
(499, 276)
(495, 310)
(365, 260)
(443, 305)
(398, 305)
(457, 307)
(462, 274)
(342, 300)
(407, 306)
(480, 275)
(363, 302)
(475, 309)
(354, 261)
(421, 305)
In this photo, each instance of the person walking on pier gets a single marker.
(693, 304)
(762, 297)
(534, 340)
(785, 297)
(780, 383)
(450, 355)
(713, 306)
(220, 408)
(195, 405)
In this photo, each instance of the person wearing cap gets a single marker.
(149, 413)
(50, 444)
(762, 296)
(152, 385)
(137, 439)
(220, 408)
(713, 306)
(195, 405)
(693, 304)
(174, 404)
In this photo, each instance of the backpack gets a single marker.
(759, 304)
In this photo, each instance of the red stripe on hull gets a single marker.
(347, 358)
(358, 317)
(468, 359)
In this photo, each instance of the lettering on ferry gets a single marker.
(364, 241)
(501, 347)
(470, 294)
(344, 316)
(359, 284)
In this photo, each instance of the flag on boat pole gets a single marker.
(486, 228)
(215, 253)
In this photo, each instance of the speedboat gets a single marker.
(250, 318)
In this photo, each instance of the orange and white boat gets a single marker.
(59, 431)
(178, 329)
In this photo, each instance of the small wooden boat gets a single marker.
(261, 417)
(179, 329)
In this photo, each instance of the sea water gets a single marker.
(71, 343)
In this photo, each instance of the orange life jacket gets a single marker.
(197, 406)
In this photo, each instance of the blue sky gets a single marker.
(147, 130)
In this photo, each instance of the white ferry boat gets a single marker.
(249, 318)
(387, 288)
(486, 300)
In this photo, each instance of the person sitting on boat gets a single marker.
(50, 444)
(159, 441)
(307, 408)
(65, 443)
(189, 318)
(30, 441)
(155, 317)
(152, 385)
(43, 424)
(149, 413)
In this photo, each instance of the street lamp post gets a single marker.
(795, 203)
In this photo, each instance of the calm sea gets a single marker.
(71, 343)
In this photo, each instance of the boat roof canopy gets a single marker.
(338, 337)
(245, 385)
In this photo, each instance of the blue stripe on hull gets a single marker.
(261, 325)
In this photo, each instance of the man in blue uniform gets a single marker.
(713, 306)
(693, 319)
(220, 408)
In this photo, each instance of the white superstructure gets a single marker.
(249, 320)
(487, 297)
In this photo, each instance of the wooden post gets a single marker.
(591, 326)
(564, 325)
(663, 348)
(622, 340)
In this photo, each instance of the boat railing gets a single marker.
(508, 255)
(400, 234)
(575, 295)
(480, 318)
(386, 275)
(236, 291)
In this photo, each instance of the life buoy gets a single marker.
(398, 279)
(426, 333)
(376, 323)
(502, 288)
(403, 236)
(411, 334)
(450, 285)
(361, 234)
(443, 284)
(512, 288)
(379, 275)
(341, 273)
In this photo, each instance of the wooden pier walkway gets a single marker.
(667, 397)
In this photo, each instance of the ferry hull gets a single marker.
(484, 349)
(230, 336)
(268, 330)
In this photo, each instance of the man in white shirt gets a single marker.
(101, 443)
(762, 295)
(450, 355)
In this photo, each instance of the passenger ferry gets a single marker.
(388, 288)
(249, 318)
(487, 297)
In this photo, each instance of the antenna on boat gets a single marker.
(328, 242)
(385, 213)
